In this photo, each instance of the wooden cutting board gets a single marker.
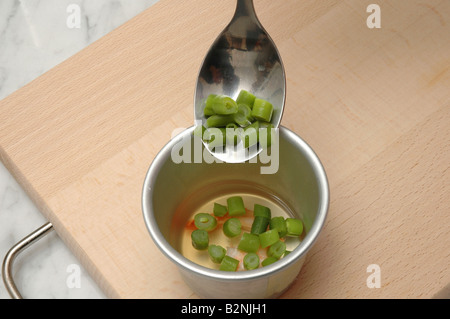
(373, 103)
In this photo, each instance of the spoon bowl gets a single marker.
(243, 57)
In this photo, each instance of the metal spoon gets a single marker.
(242, 57)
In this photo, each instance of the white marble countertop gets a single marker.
(36, 35)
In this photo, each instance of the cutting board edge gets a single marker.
(65, 236)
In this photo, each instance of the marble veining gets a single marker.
(36, 35)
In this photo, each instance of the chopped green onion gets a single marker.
(262, 110)
(264, 124)
(224, 105)
(259, 225)
(200, 239)
(287, 252)
(277, 250)
(236, 206)
(248, 112)
(205, 221)
(263, 211)
(217, 120)
(229, 264)
(243, 116)
(279, 224)
(216, 253)
(265, 134)
(233, 134)
(216, 137)
(249, 243)
(251, 261)
(219, 210)
(268, 261)
(269, 238)
(294, 227)
(208, 110)
(232, 227)
(245, 97)
(251, 134)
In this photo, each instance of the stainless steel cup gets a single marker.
(300, 183)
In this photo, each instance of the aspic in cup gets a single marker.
(225, 230)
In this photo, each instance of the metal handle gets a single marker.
(8, 261)
(245, 8)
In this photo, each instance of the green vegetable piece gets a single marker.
(251, 261)
(263, 124)
(232, 227)
(277, 250)
(243, 117)
(269, 238)
(236, 206)
(287, 252)
(245, 97)
(259, 225)
(279, 224)
(268, 261)
(249, 243)
(209, 134)
(224, 105)
(229, 264)
(260, 210)
(208, 110)
(216, 253)
(265, 134)
(216, 137)
(231, 125)
(233, 134)
(219, 210)
(251, 134)
(294, 227)
(218, 120)
(262, 110)
(205, 221)
(200, 239)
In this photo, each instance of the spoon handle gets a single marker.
(245, 8)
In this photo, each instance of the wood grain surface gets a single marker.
(373, 103)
